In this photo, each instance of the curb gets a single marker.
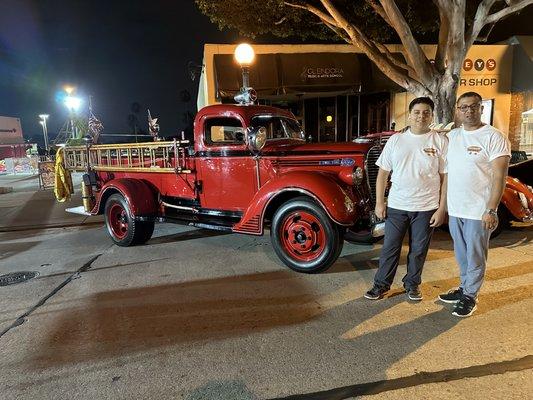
(42, 227)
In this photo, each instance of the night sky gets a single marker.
(119, 52)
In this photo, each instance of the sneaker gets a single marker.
(414, 293)
(453, 296)
(464, 307)
(376, 293)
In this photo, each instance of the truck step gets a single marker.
(77, 210)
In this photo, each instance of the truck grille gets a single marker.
(372, 169)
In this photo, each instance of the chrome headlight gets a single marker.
(357, 176)
(523, 200)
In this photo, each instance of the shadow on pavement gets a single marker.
(121, 322)
(12, 249)
(188, 235)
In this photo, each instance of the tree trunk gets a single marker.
(444, 98)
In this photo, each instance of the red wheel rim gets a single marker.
(118, 221)
(303, 236)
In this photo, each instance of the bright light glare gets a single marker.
(68, 89)
(329, 118)
(72, 103)
(244, 54)
(43, 116)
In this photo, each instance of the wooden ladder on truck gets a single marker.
(161, 157)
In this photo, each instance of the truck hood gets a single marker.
(299, 147)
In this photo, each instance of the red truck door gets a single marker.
(225, 165)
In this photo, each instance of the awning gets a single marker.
(302, 73)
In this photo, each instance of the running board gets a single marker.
(78, 210)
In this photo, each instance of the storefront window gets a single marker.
(311, 119)
(328, 117)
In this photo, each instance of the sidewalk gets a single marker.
(26, 207)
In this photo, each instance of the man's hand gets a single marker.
(490, 221)
(437, 219)
(380, 211)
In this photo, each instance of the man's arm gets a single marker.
(499, 173)
(437, 219)
(381, 185)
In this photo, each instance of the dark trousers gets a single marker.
(397, 224)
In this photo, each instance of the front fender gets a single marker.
(140, 197)
(337, 202)
(511, 200)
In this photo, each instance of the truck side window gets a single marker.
(224, 130)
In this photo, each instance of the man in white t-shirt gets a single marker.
(416, 201)
(477, 162)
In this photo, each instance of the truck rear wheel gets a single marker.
(121, 226)
(304, 237)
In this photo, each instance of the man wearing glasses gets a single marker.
(477, 159)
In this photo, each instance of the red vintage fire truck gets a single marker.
(248, 168)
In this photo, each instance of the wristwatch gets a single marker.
(492, 211)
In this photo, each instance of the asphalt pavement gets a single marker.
(196, 315)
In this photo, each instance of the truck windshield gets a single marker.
(279, 127)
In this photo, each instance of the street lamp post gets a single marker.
(72, 103)
(244, 55)
(43, 118)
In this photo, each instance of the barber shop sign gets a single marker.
(479, 65)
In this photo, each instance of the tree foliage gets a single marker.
(454, 25)
(275, 17)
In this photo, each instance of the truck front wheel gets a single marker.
(304, 237)
(121, 226)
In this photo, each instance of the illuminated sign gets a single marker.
(318, 72)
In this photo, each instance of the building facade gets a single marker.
(338, 94)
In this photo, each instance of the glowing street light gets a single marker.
(244, 54)
(68, 89)
(72, 103)
(42, 121)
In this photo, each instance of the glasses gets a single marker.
(471, 107)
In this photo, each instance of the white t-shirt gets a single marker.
(415, 162)
(470, 171)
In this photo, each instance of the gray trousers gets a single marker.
(471, 247)
(397, 224)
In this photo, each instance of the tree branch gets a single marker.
(444, 33)
(320, 14)
(379, 10)
(394, 60)
(388, 67)
(339, 32)
(415, 55)
(516, 6)
(479, 22)
(338, 23)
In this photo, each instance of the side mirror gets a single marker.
(257, 138)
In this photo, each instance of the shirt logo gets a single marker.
(430, 151)
(473, 149)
